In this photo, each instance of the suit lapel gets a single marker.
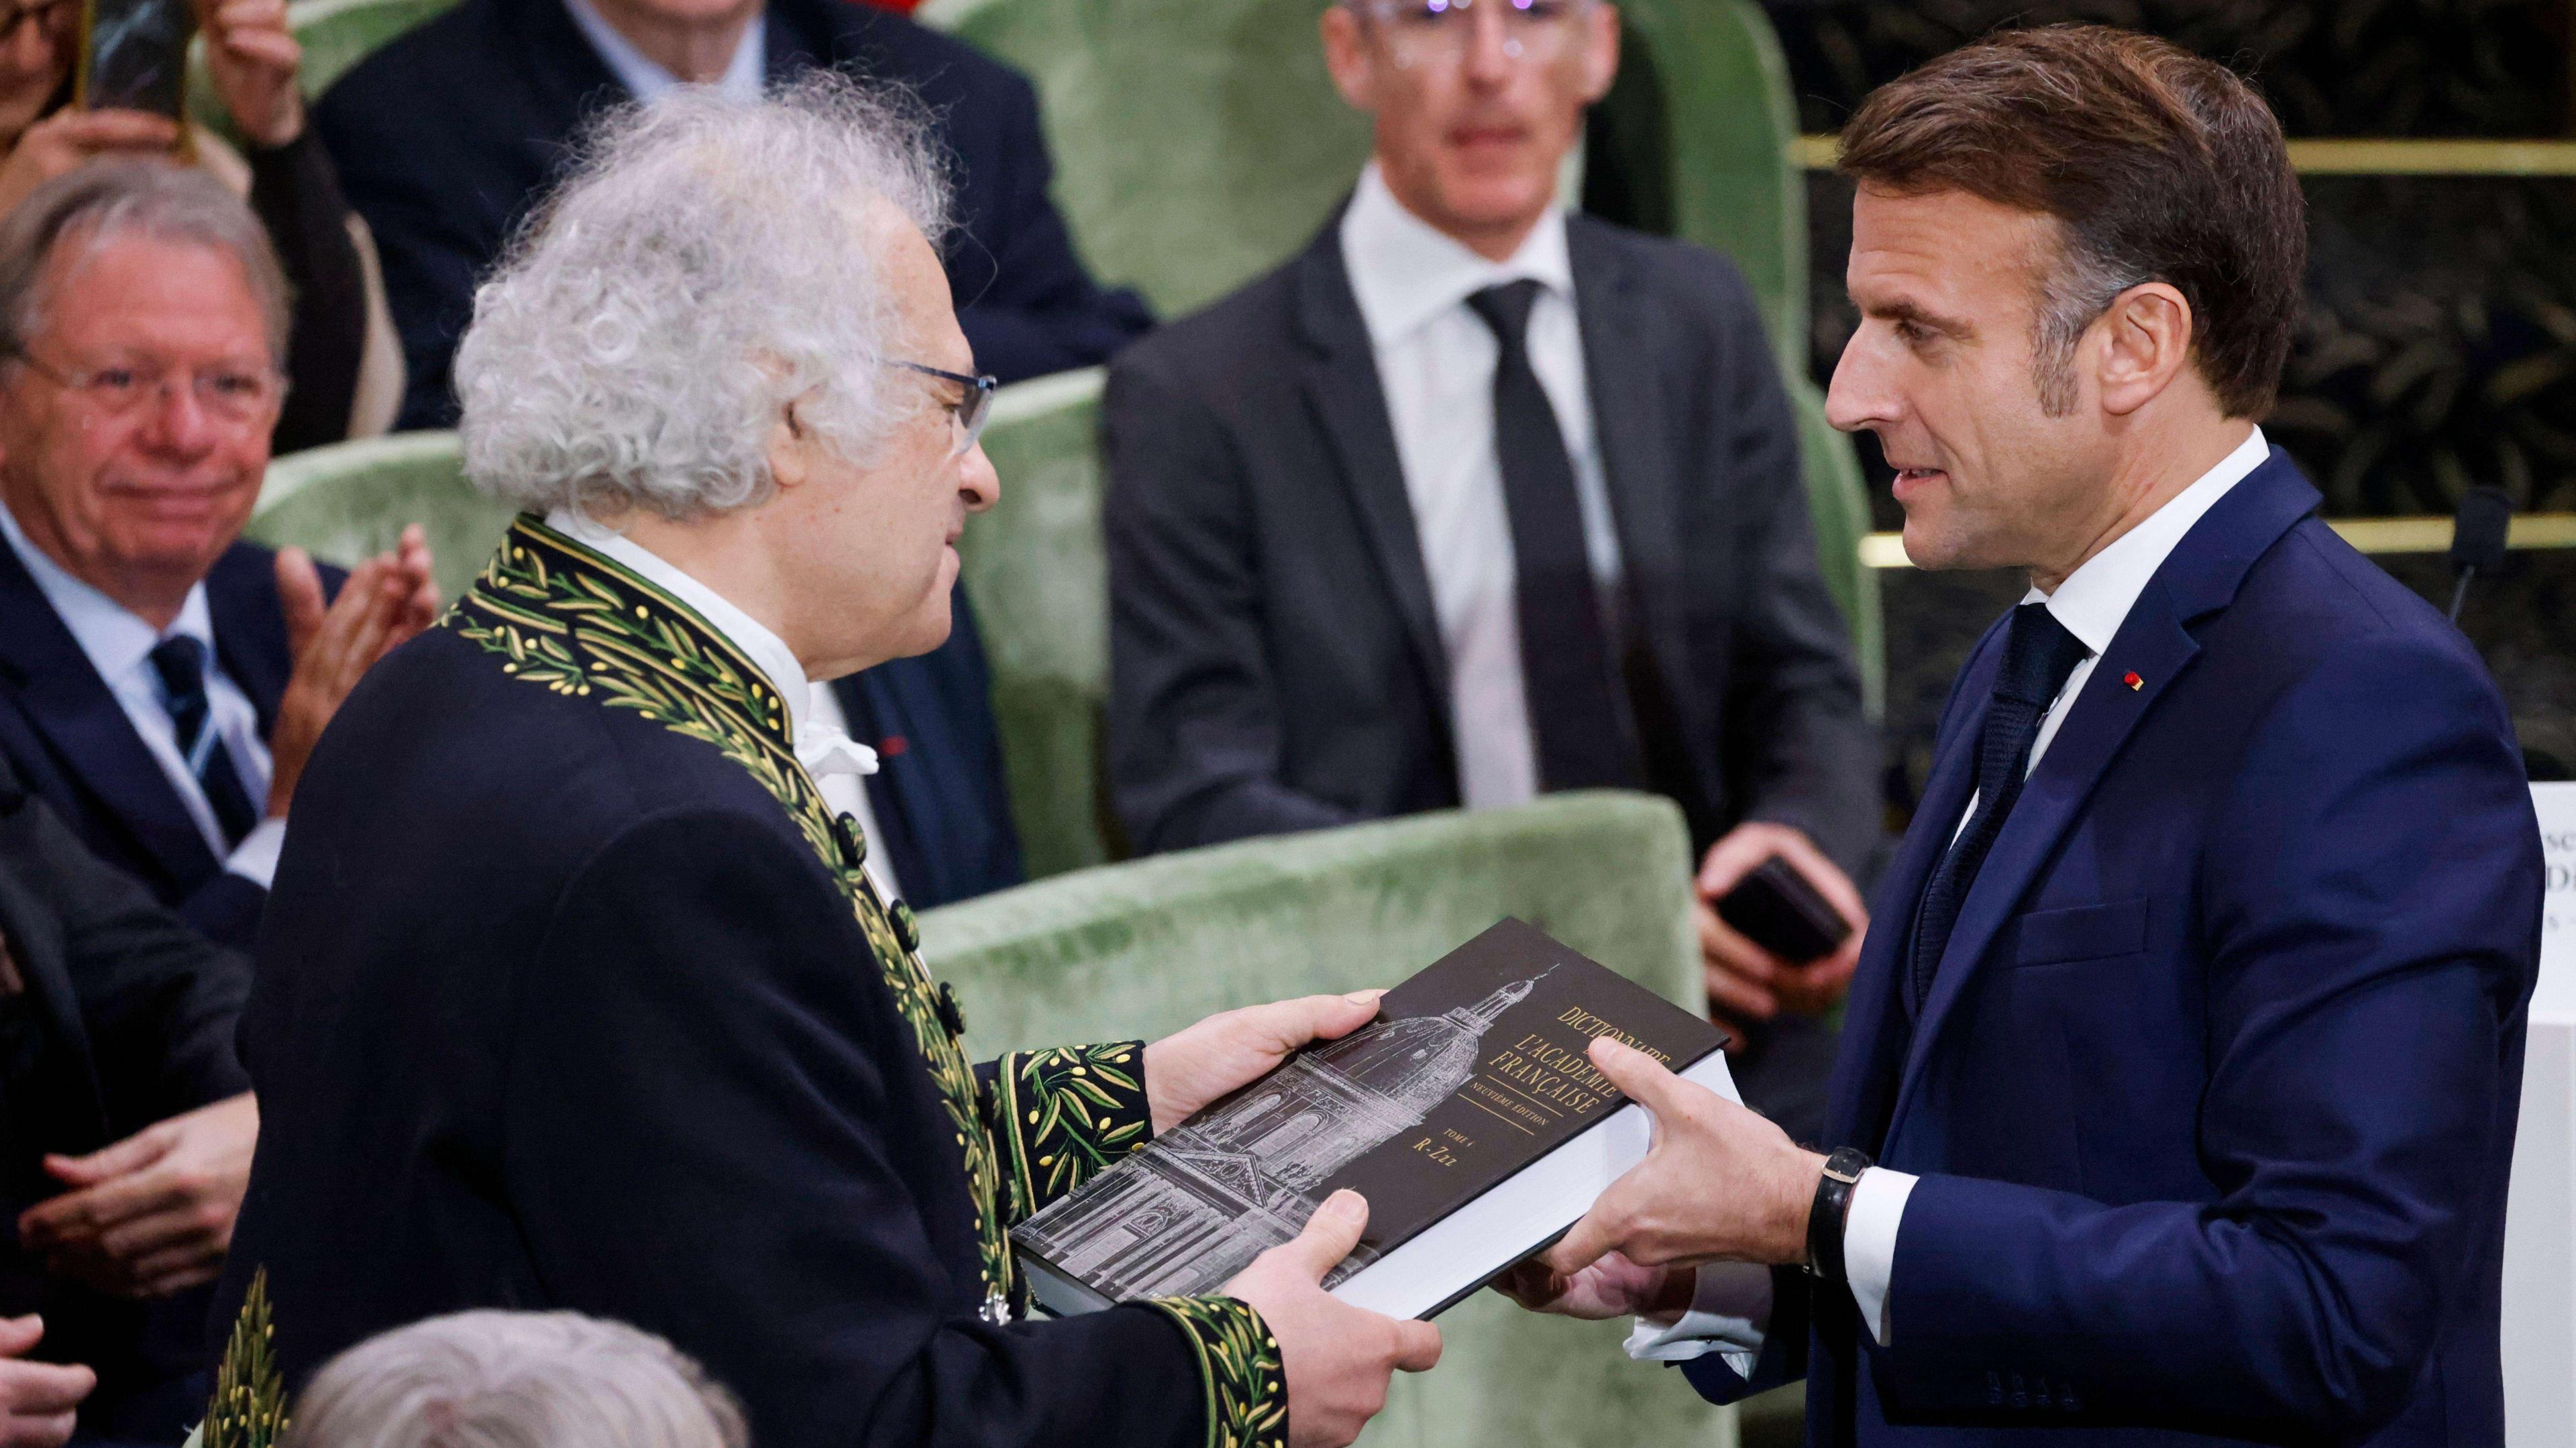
(1340, 382)
(59, 691)
(1620, 363)
(250, 627)
(2156, 645)
(1874, 1025)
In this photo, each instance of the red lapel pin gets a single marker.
(2133, 681)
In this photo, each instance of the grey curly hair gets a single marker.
(699, 266)
(491, 1379)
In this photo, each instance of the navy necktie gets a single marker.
(1578, 707)
(2039, 654)
(181, 662)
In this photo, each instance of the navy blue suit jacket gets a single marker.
(942, 804)
(447, 136)
(70, 743)
(2214, 1095)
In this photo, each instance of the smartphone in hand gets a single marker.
(1775, 908)
(134, 56)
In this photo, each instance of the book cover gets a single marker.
(1473, 1070)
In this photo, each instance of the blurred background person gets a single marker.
(494, 1379)
(126, 1127)
(1475, 500)
(343, 361)
(449, 135)
(161, 681)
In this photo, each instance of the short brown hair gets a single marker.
(2162, 166)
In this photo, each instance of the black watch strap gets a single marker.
(1832, 1208)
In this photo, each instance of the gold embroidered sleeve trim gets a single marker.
(1247, 1393)
(1066, 1114)
(248, 1409)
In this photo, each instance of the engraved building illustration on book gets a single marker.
(1217, 1192)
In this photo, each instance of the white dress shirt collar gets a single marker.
(645, 78)
(1405, 271)
(115, 639)
(2096, 598)
(821, 750)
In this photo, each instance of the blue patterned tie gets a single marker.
(181, 662)
(2038, 655)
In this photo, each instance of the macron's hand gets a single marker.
(1188, 1069)
(1720, 1183)
(1337, 1358)
(1610, 1287)
(37, 1400)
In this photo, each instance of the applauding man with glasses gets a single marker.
(1475, 500)
(160, 681)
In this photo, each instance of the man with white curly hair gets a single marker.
(577, 995)
(492, 1379)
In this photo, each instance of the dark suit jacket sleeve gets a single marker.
(1803, 749)
(1783, 1358)
(157, 1000)
(1194, 714)
(2371, 898)
(1031, 309)
(426, 240)
(297, 196)
(701, 1040)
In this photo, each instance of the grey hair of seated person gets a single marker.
(494, 1379)
(105, 201)
(701, 266)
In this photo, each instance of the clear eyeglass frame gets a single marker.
(229, 393)
(970, 411)
(1430, 32)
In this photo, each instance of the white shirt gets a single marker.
(815, 726)
(1731, 1307)
(645, 78)
(119, 645)
(1435, 359)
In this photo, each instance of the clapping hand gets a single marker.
(384, 602)
(252, 57)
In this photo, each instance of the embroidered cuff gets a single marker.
(1247, 1392)
(1064, 1115)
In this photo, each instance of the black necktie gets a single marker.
(2038, 655)
(181, 662)
(1577, 710)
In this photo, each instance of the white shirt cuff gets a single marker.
(1730, 1313)
(255, 858)
(1869, 1242)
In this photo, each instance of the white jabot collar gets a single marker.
(1405, 271)
(115, 640)
(822, 750)
(2096, 598)
(645, 78)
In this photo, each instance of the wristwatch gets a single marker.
(1832, 1206)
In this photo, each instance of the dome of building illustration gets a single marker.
(1216, 1191)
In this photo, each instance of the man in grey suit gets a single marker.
(1474, 500)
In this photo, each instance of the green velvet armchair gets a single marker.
(350, 500)
(1198, 143)
(1144, 948)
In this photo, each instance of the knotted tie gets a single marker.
(2039, 654)
(181, 662)
(1578, 710)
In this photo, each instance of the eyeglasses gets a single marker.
(1431, 32)
(229, 393)
(969, 412)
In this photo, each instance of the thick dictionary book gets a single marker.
(1467, 1113)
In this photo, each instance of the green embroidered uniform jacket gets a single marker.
(575, 996)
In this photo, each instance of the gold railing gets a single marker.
(2354, 157)
(2370, 535)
